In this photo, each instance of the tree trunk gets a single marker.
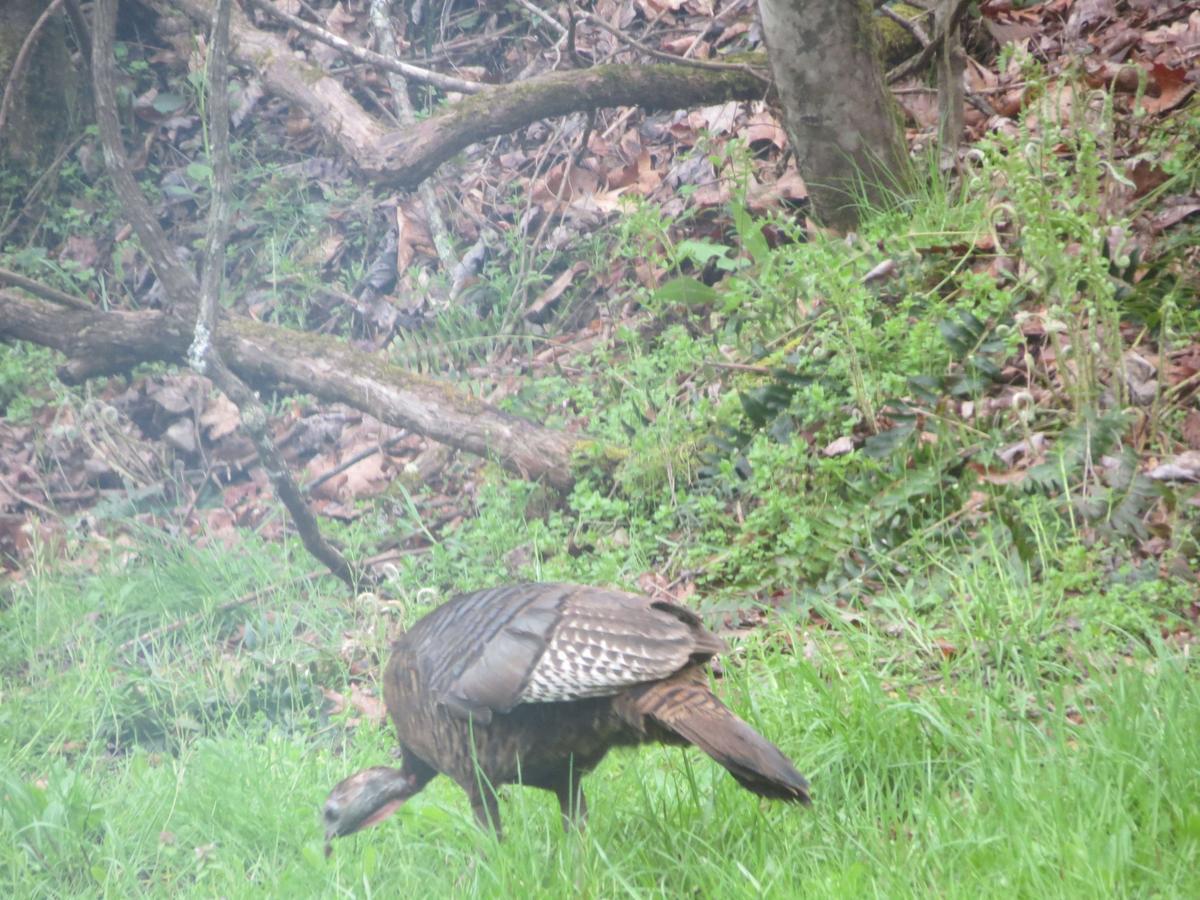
(44, 100)
(839, 116)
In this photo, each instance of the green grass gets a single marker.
(972, 746)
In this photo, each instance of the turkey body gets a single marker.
(534, 684)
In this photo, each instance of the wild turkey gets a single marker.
(533, 684)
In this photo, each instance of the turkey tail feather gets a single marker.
(692, 712)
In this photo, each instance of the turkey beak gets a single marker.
(362, 800)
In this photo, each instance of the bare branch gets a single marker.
(7, 276)
(204, 353)
(408, 117)
(671, 57)
(180, 284)
(203, 350)
(405, 158)
(268, 357)
(415, 73)
(82, 33)
(544, 16)
(909, 25)
(950, 66)
(942, 27)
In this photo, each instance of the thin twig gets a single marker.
(28, 501)
(732, 7)
(416, 73)
(246, 599)
(177, 280)
(79, 23)
(739, 367)
(943, 28)
(42, 180)
(353, 461)
(909, 25)
(670, 57)
(7, 276)
(203, 347)
(204, 355)
(179, 624)
(544, 16)
(438, 230)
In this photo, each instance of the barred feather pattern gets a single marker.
(592, 654)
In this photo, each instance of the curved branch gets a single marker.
(302, 83)
(405, 158)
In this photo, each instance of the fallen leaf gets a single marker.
(367, 704)
(220, 417)
(1174, 211)
(1181, 467)
(1173, 88)
(839, 447)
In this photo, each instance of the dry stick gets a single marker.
(950, 66)
(529, 248)
(544, 16)
(996, 89)
(17, 73)
(739, 367)
(570, 35)
(352, 461)
(942, 28)
(416, 73)
(79, 23)
(28, 501)
(625, 116)
(179, 624)
(672, 57)
(179, 283)
(404, 111)
(732, 7)
(203, 355)
(177, 280)
(909, 25)
(7, 276)
(191, 507)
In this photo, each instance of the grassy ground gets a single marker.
(1001, 749)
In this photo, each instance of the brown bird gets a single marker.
(533, 684)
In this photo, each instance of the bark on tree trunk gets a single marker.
(839, 115)
(43, 103)
(265, 356)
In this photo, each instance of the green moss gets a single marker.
(895, 43)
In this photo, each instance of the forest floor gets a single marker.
(936, 484)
